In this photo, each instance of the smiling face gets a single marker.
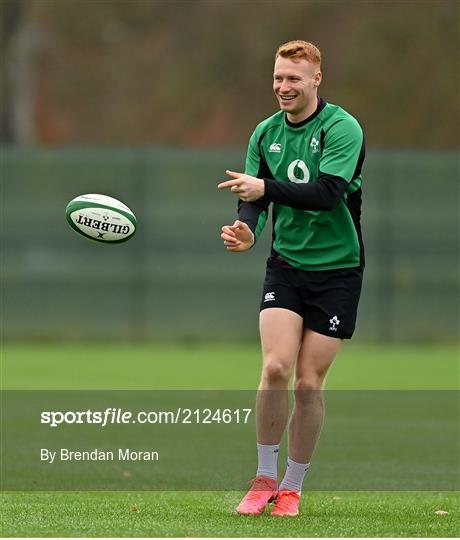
(295, 83)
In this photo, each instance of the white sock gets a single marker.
(294, 476)
(268, 460)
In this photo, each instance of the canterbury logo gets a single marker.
(275, 147)
(269, 297)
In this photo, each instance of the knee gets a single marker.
(275, 372)
(308, 390)
(311, 383)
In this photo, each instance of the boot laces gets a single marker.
(283, 501)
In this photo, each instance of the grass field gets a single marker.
(217, 366)
(212, 514)
(221, 366)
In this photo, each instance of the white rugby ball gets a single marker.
(101, 218)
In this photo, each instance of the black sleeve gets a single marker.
(324, 194)
(249, 212)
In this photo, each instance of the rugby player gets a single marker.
(305, 161)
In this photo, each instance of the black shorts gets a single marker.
(327, 300)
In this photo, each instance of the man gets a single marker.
(306, 160)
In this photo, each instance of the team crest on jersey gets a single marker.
(314, 144)
(275, 147)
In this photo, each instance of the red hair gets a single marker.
(298, 49)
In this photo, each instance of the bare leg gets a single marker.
(315, 357)
(281, 334)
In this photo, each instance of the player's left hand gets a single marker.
(247, 188)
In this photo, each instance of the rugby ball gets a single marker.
(101, 218)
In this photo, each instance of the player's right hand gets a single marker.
(237, 237)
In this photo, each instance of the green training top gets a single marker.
(316, 225)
